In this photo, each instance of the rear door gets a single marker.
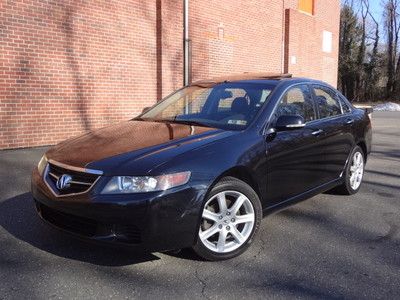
(336, 124)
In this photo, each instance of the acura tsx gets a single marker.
(203, 166)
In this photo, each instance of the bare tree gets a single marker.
(372, 67)
(364, 11)
(392, 30)
(363, 62)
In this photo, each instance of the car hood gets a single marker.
(108, 147)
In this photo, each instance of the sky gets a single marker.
(376, 9)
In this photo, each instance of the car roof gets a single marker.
(265, 77)
(254, 77)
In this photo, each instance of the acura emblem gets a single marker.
(64, 182)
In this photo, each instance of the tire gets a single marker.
(226, 231)
(356, 163)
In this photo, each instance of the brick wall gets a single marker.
(304, 42)
(70, 66)
(235, 36)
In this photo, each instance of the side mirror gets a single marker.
(289, 123)
(146, 109)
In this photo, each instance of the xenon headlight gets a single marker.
(42, 165)
(143, 184)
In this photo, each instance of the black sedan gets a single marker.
(200, 168)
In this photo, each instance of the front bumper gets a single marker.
(155, 221)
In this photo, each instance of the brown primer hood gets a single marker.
(118, 139)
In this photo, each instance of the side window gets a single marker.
(327, 103)
(345, 107)
(297, 101)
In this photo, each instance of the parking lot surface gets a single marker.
(326, 247)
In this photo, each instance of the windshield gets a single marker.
(231, 106)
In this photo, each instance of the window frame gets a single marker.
(306, 84)
(346, 101)
(335, 97)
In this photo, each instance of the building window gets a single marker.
(306, 6)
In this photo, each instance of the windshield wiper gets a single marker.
(187, 122)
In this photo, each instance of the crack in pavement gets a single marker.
(389, 219)
(262, 246)
(260, 250)
(203, 283)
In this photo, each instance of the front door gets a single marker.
(295, 163)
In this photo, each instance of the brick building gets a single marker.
(67, 66)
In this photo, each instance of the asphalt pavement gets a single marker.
(327, 247)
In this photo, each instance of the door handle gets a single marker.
(349, 121)
(317, 132)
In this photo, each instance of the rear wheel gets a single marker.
(230, 218)
(354, 173)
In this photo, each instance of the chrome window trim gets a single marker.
(311, 85)
(341, 97)
(314, 85)
(347, 102)
(267, 123)
(331, 117)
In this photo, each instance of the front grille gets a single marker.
(81, 181)
(125, 233)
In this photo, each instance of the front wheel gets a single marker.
(230, 218)
(354, 173)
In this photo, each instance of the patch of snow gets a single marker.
(390, 106)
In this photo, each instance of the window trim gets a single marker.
(343, 98)
(268, 124)
(335, 93)
(340, 104)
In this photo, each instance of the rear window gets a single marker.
(327, 103)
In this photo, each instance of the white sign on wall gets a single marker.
(327, 38)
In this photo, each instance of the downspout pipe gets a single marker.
(186, 41)
(283, 46)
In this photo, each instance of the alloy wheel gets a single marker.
(227, 221)
(356, 170)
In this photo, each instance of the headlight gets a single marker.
(132, 184)
(42, 164)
